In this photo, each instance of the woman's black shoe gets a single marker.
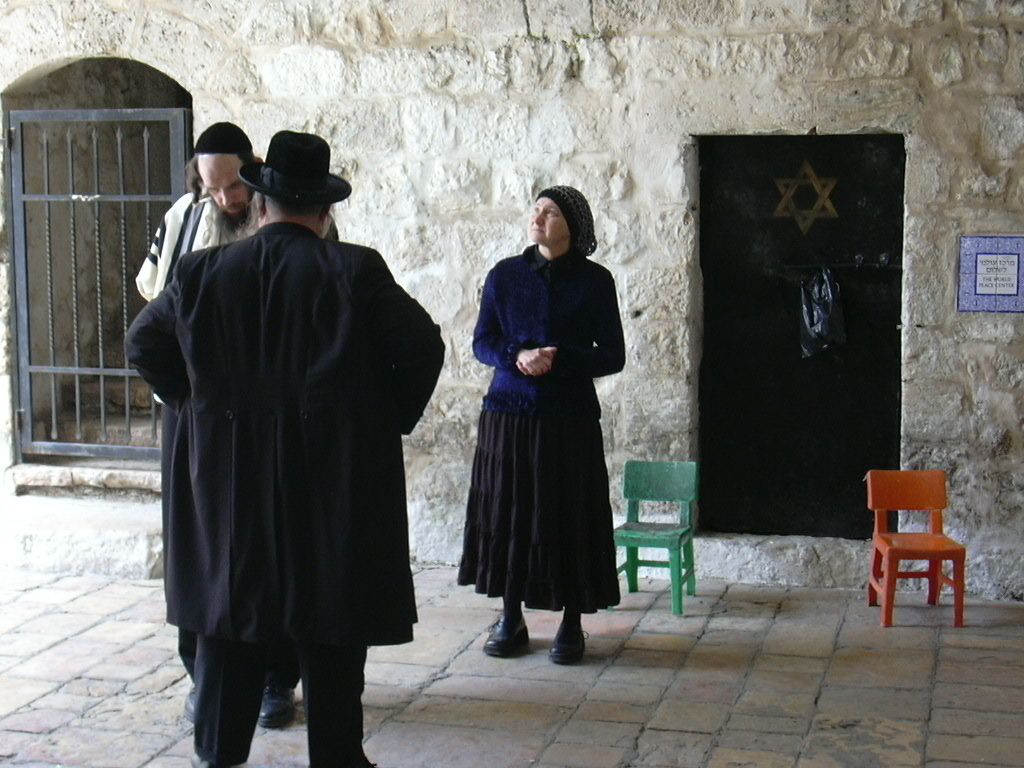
(568, 647)
(507, 637)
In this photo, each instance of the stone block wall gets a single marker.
(447, 116)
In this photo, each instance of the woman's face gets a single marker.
(548, 229)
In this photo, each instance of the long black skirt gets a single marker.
(539, 520)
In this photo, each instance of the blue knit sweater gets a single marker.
(570, 304)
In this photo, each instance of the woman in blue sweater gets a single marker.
(538, 521)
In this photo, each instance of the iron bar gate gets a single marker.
(87, 190)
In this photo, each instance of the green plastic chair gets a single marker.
(664, 481)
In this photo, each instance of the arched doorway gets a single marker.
(96, 152)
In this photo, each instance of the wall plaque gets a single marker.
(991, 273)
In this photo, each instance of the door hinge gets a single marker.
(11, 133)
(19, 419)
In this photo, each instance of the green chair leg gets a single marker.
(631, 568)
(676, 569)
(691, 581)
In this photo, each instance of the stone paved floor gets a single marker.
(751, 677)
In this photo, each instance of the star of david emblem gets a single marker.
(822, 208)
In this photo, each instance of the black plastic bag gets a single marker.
(821, 314)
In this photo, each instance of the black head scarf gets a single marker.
(576, 211)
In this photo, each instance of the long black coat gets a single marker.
(295, 365)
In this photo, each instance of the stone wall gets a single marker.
(448, 115)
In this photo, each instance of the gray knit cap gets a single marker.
(576, 211)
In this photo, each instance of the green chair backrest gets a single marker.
(673, 481)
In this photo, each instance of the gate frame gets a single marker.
(179, 121)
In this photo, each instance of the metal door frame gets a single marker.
(179, 122)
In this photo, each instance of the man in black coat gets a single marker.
(295, 365)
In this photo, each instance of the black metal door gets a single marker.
(785, 440)
(86, 189)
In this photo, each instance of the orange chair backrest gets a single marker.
(894, 490)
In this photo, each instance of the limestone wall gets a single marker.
(447, 115)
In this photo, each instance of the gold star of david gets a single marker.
(822, 208)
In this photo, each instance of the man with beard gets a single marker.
(295, 364)
(214, 212)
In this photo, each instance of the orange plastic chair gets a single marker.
(912, 490)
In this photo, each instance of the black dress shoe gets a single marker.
(569, 644)
(507, 637)
(190, 705)
(278, 708)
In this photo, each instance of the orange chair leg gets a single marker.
(876, 573)
(890, 566)
(934, 587)
(958, 592)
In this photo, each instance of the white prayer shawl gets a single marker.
(187, 226)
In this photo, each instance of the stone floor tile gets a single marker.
(13, 742)
(982, 698)
(630, 675)
(981, 638)
(784, 681)
(643, 641)
(15, 693)
(882, 667)
(48, 596)
(17, 580)
(677, 715)
(864, 741)
(767, 724)
(63, 661)
(636, 657)
(535, 691)
(418, 745)
(611, 734)
(450, 618)
(818, 606)
(65, 624)
(486, 714)
(799, 639)
(434, 648)
(776, 703)
(93, 748)
(671, 749)
(23, 644)
(583, 755)
(893, 703)
(725, 757)
(103, 605)
(690, 687)
(966, 723)
(614, 711)
(875, 636)
(160, 713)
(409, 675)
(988, 750)
(532, 664)
(388, 696)
(604, 690)
(967, 673)
(664, 622)
(784, 744)
(167, 761)
(34, 720)
(617, 623)
(769, 662)
(124, 632)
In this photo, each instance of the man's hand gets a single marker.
(536, 362)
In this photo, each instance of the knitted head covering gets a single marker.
(223, 139)
(578, 217)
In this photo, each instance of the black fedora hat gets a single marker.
(297, 168)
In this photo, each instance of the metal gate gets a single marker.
(87, 191)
